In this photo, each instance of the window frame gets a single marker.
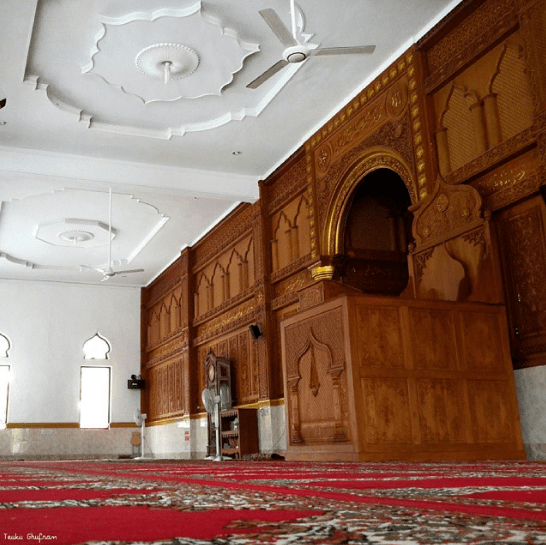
(3, 424)
(81, 406)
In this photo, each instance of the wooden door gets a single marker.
(522, 241)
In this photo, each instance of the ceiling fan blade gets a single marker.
(270, 72)
(356, 50)
(128, 272)
(278, 27)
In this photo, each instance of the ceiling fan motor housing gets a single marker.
(295, 54)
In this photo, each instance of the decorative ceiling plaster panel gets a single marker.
(76, 244)
(219, 49)
(124, 100)
(74, 232)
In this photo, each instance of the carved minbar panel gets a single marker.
(406, 380)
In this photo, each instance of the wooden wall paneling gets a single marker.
(522, 239)
(512, 181)
(166, 358)
(265, 346)
(425, 150)
(189, 367)
(442, 414)
(463, 36)
(238, 348)
(532, 19)
(486, 105)
(433, 339)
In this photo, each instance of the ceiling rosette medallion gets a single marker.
(167, 54)
(113, 77)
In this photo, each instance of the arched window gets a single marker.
(96, 348)
(4, 346)
(4, 381)
(95, 385)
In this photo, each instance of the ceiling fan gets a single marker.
(109, 271)
(296, 52)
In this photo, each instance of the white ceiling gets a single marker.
(83, 116)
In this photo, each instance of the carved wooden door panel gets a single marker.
(522, 241)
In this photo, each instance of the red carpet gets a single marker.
(247, 503)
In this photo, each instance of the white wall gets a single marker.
(47, 324)
(531, 391)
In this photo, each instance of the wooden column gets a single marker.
(492, 121)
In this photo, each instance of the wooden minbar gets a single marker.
(370, 378)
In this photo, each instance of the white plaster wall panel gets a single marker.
(530, 387)
(272, 429)
(47, 324)
(168, 441)
(70, 443)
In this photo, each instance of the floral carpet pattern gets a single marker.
(271, 502)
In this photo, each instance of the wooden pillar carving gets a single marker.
(275, 254)
(294, 243)
(196, 303)
(225, 287)
(210, 296)
(478, 121)
(295, 422)
(492, 120)
(444, 163)
(187, 313)
(532, 20)
(340, 434)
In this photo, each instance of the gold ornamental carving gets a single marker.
(491, 20)
(391, 105)
(373, 160)
(447, 210)
(510, 182)
(227, 319)
(325, 272)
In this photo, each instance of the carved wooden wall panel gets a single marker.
(223, 235)
(230, 274)
(165, 363)
(510, 182)
(290, 230)
(488, 104)
(442, 413)
(165, 317)
(388, 422)
(449, 47)
(522, 239)
(241, 350)
(316, 395)
(284, 185)
(166, 387)
(432, 348)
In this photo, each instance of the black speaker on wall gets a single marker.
(255, 331)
